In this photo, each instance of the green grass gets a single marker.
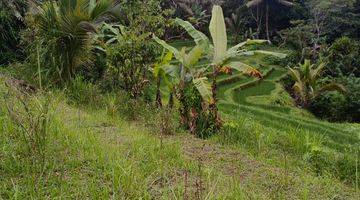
(266, 150)
(90, 154)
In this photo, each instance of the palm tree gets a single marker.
(267, 3)
(307, 86)
(236, 23)
(196, 11)
(63, 29)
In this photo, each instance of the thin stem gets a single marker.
(38, 65)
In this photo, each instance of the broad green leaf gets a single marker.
(218, 34)
(171, 70)
(172, 49)
(245, 53)
(199, 37)
(193, 56)
(203, 86)
(233, 50)
(92, 5)
(167, 58)
(158, 70)
(276, 54)
(240, 66)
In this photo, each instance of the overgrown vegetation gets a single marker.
(158, 99)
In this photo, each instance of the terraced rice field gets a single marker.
(243, 96)
(256, 99)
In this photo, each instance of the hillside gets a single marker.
(266, 150)
(89, 153)
(180, 99)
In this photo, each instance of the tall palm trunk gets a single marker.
(258, 21)
(267, 22)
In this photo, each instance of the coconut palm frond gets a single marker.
(285, 3)
(295, 74)
(254, 3)
(330, 87)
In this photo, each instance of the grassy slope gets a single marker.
(259, 155)
(92, 155)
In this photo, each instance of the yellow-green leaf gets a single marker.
(218, 34)
(203, 86)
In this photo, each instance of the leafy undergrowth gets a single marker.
(91, 154)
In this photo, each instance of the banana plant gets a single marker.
(188, 70)
(219, 53)
(306, 86)
(166, 72)
(187, 73)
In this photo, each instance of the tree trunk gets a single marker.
(267, 22)
(213, 106)
(182, 108)
(258, 21)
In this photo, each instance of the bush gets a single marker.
(353, 98)
(196, 115)
(128, 63)
(343, 58)
(337, 107)
(330, 106)
(282, 99)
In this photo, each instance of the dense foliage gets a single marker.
(269, 77)
(11, 23)
(129, 61)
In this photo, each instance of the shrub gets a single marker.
(128, 63)
(337, 107)
(282, 99)
(160, 120)
(318, 158)
(195, 115)
(343, 58)
(330, 106)
(353, 98)
(146, 16)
